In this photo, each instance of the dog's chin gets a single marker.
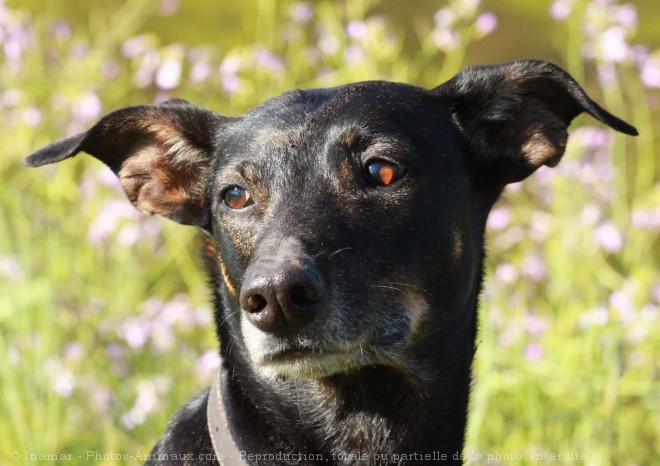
(311, 363)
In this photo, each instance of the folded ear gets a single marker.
(162, 155)
(515, 116)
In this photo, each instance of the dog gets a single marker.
(344, 238)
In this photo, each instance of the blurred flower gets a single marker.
(61, 29)
(596, 317)
(269, 61)
(533, 267)
(486, 23)
(147, 64)
(607, 29)
(168, 75)
(110, 69)
(62, 379)
(533, 352)
(134, 331)
(108, 178)
(354, 54)
(146, 402)
(650, 72)
(137, 45)
(208, 363)
(499, 218)
(591, 214)
(301, 12)
(108, 220)
(229, 68)
(561, 9)
(536, 325)
(329, 44)
(74, 351)
(169, 7)
(86, 107)
(446, 40)
(100, 399)
(609, 237)
(200, 70)
(11, 268)
(356, 30)
(622, 303)
(646, 219)
(506, 273)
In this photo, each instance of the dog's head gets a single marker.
(346, 224)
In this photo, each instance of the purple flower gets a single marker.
(169, 7)
(622, 302)
(269, 61)
(208, 363)
(536, 325)
(506, 273)
(609, 237)
(446, 40)
(646, 219)
(499, 218)
(533, 268)
(356, 30)
(11, 268)
(353, 54)
(168, 75)
(61, 30)
(486, 23)
(134, 332)
(599, 316)
(650, 72)
(301, 12)
(533, 352)
(137, 45)
(626, 16)
(200, 71)
(86, 107)
(445, 18)
(561, 9)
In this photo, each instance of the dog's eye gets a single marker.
(383, 172)
(236, 197)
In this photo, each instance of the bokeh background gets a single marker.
(105, 325)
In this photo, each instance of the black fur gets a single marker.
(345, 305)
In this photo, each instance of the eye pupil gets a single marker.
(237, 198)
(384, 173)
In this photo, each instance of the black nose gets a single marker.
(282, 295)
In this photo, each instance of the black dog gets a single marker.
(344, 237)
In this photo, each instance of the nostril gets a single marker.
(301, 295)
(255, 303)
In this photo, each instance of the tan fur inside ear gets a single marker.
(166, 175)
(545, 147)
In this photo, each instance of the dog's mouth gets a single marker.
(309, 362)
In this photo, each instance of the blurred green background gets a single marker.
(105, 326)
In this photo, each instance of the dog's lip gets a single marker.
(300, 352)
(293, 354)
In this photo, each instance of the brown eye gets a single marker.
(237, 198)
(383, 172)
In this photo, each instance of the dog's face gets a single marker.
(346, 224)
(337, 216)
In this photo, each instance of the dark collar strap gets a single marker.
(219, 415)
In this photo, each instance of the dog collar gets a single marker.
(220, 418)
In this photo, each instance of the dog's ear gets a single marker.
(162, 155)
(515, 116)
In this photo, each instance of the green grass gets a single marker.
(567, 360)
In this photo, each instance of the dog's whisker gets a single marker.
(340, 250)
